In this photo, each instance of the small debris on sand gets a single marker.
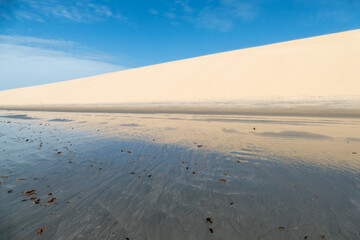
(52, 200)
(222, 180)
(194, 172)
(20, 179)
(37, 200)
(280, 228)
(132, 173)
(29, 192)
(10, 191)
(199, 146)
(211, 230)
(209, 220)
(149, 175)
(41, 230)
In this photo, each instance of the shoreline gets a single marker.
(295, 111)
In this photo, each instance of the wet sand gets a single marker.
(339, 107)
(178, 176)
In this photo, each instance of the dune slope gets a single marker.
(324, 67)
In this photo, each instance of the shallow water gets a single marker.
(172, 176)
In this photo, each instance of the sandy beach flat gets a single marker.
(172, 176)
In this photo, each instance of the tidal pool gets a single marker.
(173, 176)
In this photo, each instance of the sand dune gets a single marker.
(313, 70)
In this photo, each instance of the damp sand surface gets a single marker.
(173, 176)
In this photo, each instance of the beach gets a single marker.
(83, 175)
(179, 120)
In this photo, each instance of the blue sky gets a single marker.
(44, 41)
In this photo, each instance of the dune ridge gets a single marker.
(319, 75)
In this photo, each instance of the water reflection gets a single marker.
(294, 134)
(17, 116)
(60, 120)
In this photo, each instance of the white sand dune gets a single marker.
(319, 71)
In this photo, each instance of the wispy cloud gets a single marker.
(25, 40)
(217, 15)
(153, 11)
(28, 16)
(26, 61)
(78, 11)
(240, 9)
(184, 5)
(211, 19)
(6, 8)
(340, 11)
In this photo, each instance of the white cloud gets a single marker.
(79, 11)
(241, 9)
(219, 15)
(153, 11)
(223, 17)
(22, 65)
(211, 19)
(170, 15)
(24, 40)
(184, 5)
(27, 16)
